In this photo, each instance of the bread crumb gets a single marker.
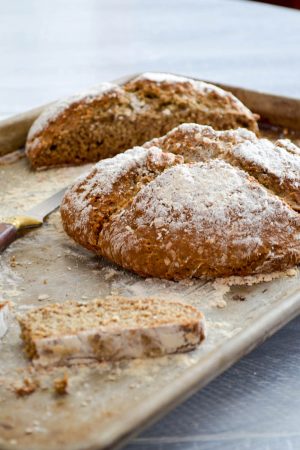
(61, 385)
(292, 272)
(42, 297)
(221, 304)
(217, 325)
(285, 131)
(27, 387)
(84, 403)
(110, 274)
(115, 292)
(111, 377)
(13, 261)
(239, 298)
(133, 386)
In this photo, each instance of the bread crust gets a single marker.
(205, 218)
(108, 188)
(110, 119)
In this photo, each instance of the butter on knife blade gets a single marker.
(31, 219)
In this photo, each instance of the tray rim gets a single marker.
(216, 361)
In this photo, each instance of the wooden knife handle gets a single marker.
(8, 234)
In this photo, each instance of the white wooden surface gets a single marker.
(53, 48)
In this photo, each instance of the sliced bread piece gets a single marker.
(110, 329)
(109, 119)
(4, 313)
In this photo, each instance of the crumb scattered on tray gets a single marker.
(61, 385)
(221, 304)
(42, 297)
(13, 262)
(110, 273)
(26, 387)
(238, 298)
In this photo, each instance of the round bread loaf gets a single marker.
(151, 212)
(110, 118)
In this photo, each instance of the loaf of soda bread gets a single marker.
(215, 207)
(110, 118)
(110, 329)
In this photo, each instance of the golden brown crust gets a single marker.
(108, 188)
(112, 119)
(207, 218)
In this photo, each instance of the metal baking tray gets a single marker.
(107, 403)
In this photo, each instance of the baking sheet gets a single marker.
(108, 402)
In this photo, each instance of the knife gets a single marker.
(9, 229)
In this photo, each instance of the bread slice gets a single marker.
(110, 329)
(4, 313)
(109, 119)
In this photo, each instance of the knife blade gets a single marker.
(32, 218)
